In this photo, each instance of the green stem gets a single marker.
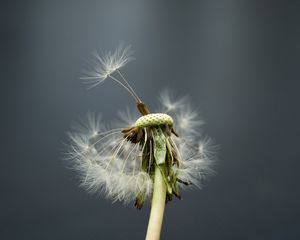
(157, 206)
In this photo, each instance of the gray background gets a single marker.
(239, 62)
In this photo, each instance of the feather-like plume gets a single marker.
(99, 68)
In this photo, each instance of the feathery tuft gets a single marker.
(98, 68)
(107, 162)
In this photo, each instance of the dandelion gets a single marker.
(149, 156)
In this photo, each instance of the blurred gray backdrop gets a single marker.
(239, 62)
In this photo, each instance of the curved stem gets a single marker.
(157, 206)
(128, 90)
(118, 71)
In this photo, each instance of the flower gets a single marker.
(120, 162)
(110, 163)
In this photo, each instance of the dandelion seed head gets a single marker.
(109, 163)
(119, 161)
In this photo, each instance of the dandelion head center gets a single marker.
(154, 119)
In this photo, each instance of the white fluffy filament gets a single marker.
(99, 68)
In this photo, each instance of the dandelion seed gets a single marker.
(146, 158)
